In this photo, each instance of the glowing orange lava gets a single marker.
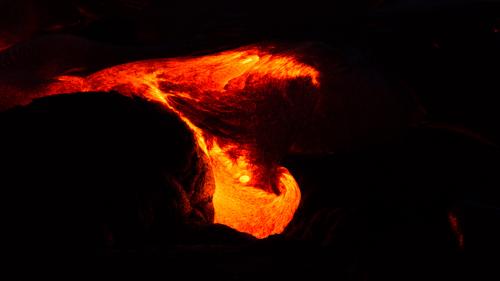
(222, 98)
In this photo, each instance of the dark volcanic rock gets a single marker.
(390, 209)
(101, 171)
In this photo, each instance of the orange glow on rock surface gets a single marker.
(228, 100)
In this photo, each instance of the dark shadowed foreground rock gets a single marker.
(424, 204)
(100, 171)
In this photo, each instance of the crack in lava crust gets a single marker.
(231, 101)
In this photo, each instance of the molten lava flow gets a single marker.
(242, 106)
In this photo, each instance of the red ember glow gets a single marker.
(456, 228)
(229, 100)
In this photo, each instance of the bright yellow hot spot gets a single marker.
(244, 179)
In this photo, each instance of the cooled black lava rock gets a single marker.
(390, 209)
(101, 171)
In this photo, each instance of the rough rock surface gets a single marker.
(102, 171)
